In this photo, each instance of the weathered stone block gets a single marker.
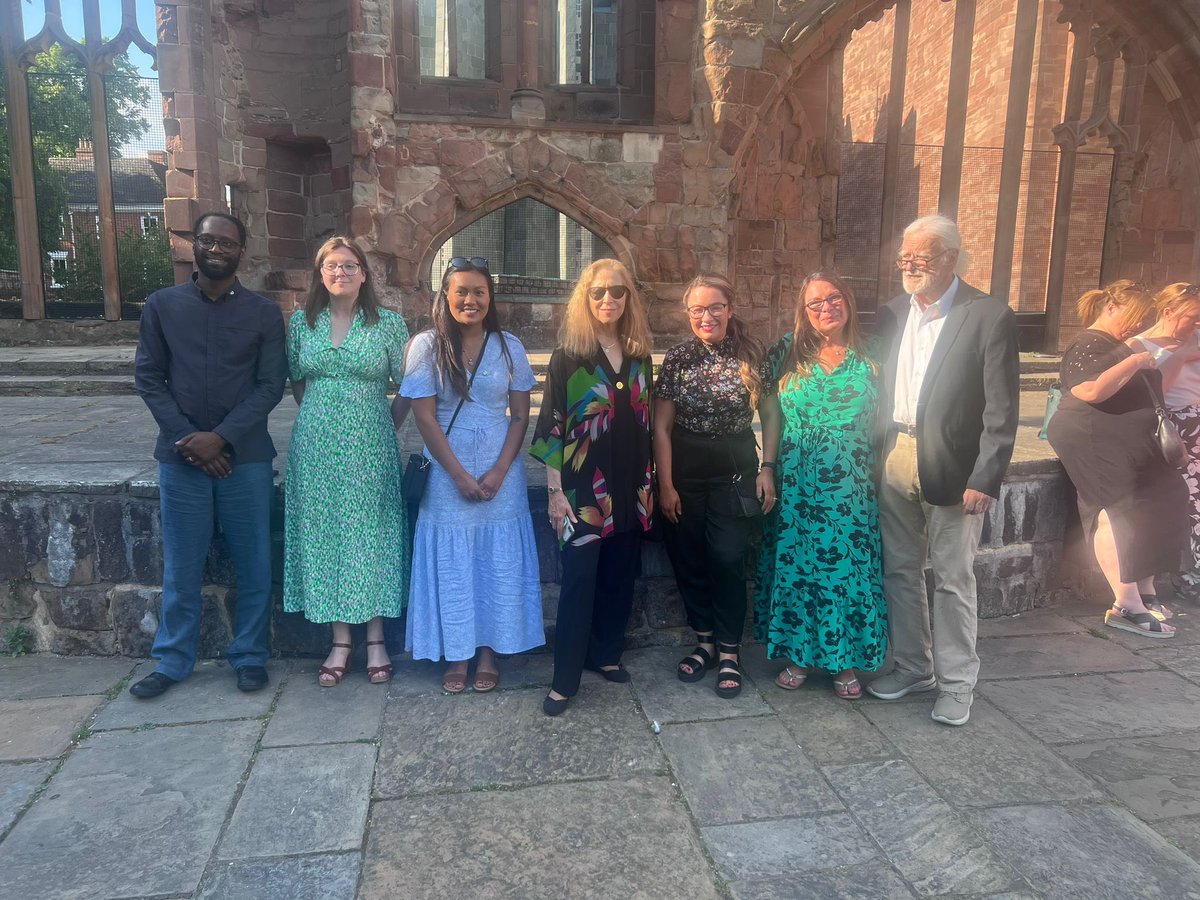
(662, 603)
(16, 600)
(145, 545)
(108, 532)
(82, 608)
(81, 643)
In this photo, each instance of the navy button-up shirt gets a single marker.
(211, 365)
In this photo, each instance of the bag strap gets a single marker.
(737, 476)
(1158, 406)
(470, 381)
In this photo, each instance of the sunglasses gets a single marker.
(463, 262)
(616, 291)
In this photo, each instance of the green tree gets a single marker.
(144, 261)
(60, 113)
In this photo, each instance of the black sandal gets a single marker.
(698, 665)
(729, 670)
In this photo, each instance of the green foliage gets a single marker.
(143, 263)
(18, 640)
(60, 114)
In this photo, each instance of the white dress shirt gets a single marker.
(921, 331)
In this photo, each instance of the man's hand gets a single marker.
(976, 503)
(201, 447)
(220, 467)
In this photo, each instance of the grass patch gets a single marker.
(115, 691)
(81, 734)
(17, 640)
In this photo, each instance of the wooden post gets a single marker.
(102, 161)
(1068, 137)
(891, 159)
(956, 107)
(1020, 77)
(20, 144)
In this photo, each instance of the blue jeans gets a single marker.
(191, 501)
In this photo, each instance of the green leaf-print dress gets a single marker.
(346, 554)
(819, 598)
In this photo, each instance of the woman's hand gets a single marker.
(668, 502)
(491, 481)
(1143, 360)
(469, 488)
(560, 510)
(764, 488)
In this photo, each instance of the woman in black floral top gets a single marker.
(593, 434)
(710, 485)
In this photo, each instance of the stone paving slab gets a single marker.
(172, 786)
(474, 741)
(332, 877)
(310, 714)
(630, 839)
(41, 729)
(1182, 833)
(1036, 621)
(739, 770)
(209, 693)
(1088, 852)
(828, 729)
(42, 675)
(1157, 778)
(932, 846)
(1095, 707)
(1187, 633)
(302, 800)
(19, 782)
(1057, 654)
(787, 846)
(989, 762)
(420, 677)
(1182, 660)
(665, 698)
(869, 881)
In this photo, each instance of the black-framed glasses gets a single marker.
(920, 263)
(713, 309)
(1191, 289)
(833, 300)
(462, 262)
(616, 291)
(208, 242)
(351, 269)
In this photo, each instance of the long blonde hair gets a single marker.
(1131, 298)
(578, 332)
(806, 341)
(747, 349)
(1176, 296)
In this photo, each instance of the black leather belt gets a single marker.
(910, 430)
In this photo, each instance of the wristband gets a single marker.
(767, 465)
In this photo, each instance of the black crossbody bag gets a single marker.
(416, 471)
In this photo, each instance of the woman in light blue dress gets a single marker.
(475, 590)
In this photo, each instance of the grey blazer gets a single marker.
(969, 403)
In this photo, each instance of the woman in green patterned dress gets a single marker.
(819, 599)
(346, 552)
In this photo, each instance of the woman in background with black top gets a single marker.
(710, 485)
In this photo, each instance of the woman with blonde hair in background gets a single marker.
(711, 488)
(593, 434)
(1132, 502)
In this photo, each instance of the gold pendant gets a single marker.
(620, 385)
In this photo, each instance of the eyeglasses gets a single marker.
(462, 262)
(920, 263)
(616, 291)
(833, 300)
(714, 309)
(207, 242)
(350, 269)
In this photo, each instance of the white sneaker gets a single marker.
(952, 709)
(899, 684)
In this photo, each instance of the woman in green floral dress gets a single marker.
(346, 554)
(819, 599)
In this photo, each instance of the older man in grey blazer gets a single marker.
(948, 414)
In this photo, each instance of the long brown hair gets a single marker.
(806, 341)
(577, 335)
(318, 296)
(1134, 301)
(747, 349)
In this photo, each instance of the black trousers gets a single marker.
(707, 546)
(594, 602)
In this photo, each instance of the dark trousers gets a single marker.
(707, 548)
(594, 602)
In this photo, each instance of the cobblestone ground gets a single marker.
(1077, 776)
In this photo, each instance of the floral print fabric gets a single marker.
(1187, 420)
(345, 532)
(819, 594)
(594, 427)
(705, 384)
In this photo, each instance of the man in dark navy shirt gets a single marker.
(211, 365)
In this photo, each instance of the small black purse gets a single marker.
(416, 470)
(741, 498)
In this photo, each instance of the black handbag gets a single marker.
(416, 470)
(1165, 433)
(740, 497)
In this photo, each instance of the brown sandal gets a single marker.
(334, 672)
(373, 672)
(485, 680)
(454, 682)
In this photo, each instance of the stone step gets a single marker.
(1038, 381)
(65, 385)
